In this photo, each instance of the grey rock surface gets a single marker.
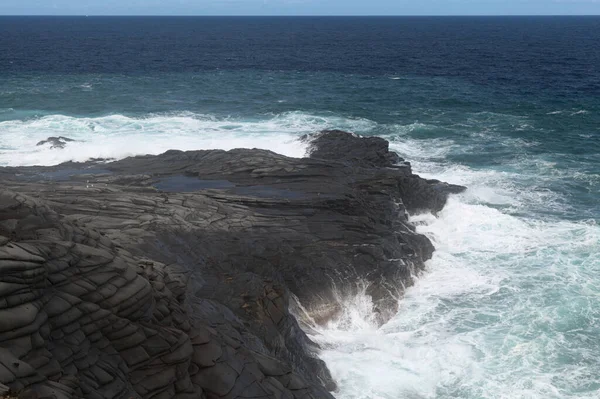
(189, 274)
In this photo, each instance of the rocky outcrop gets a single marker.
(337, 145)
(182, 275)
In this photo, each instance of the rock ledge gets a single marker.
(182, 275)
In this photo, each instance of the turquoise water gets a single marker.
(509, 306)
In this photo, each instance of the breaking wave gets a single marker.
(119, 136)
(507, 307)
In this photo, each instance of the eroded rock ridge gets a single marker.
(190, 274)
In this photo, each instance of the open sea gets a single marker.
(509, 306)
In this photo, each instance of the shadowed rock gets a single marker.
(131, 282)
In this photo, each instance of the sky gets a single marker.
(299, 7)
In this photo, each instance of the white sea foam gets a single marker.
(572, 112)
(118, 136)
(474, 325)
(506, 308)
(580, 112)
(489, 186)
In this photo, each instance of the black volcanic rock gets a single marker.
(182, 275)
(337, 145)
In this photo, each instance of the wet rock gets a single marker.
(115, 285)
(350, 148)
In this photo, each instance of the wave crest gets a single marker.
(120, 136)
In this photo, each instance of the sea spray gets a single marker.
(506, 309)
(119, 136)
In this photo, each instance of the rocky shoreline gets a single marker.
(195, 274)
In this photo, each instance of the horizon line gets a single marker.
(299, 16)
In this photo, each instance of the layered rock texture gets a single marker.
(196, 274)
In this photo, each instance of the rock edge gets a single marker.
(190, 274)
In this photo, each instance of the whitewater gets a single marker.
(509, 305)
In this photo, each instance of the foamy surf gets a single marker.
(505, 309)
(118, 136)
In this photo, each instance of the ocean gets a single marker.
(509, 306)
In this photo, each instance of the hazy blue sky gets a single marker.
(298, 7)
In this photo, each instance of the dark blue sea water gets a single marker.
(510, 106)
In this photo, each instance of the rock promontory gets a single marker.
(196, 274)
